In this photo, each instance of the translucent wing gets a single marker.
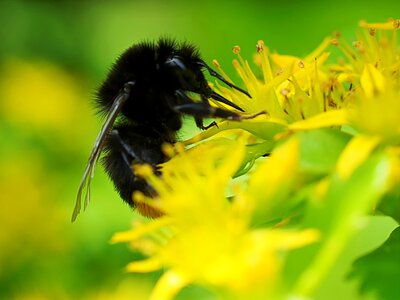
(97, 147)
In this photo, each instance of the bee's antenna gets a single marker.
(217, 75)
(98, 146)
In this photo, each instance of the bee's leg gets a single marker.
(118, 159)
(127, 153)
(121, 152)
(185, 99)
(204, 110)
(199, 123)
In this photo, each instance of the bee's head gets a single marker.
(187, 75)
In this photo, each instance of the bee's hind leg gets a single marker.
(118, 159)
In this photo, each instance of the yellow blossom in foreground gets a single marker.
(205, 239)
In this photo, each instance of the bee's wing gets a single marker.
(98, 146)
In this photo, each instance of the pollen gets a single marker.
(372, 31)
(143, 170)
(168, 149)
(138, 196)
(335, 42)
(236, 49)
(235, 63)
(260, 46)
(179, 147)
(360, 46)
(284, 92)
(216, 63)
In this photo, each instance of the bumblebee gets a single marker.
(144, 97)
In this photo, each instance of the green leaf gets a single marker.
(336, 285)
(390, 204)
(379, 271)
(347, 199)
(320, 149)
(338, 217)
(254, 151)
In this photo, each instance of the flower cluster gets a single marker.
(325, 155)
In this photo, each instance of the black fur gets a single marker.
(150, 84)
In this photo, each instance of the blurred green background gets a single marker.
(53, 55)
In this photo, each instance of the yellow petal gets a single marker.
(141, 230)
(385, 26)
(272, 180)
(283, 60)
(169, 285)
(144, 266)
(372, 81)
(275, 171)
(325, 119)
(297, 239)
(355, 153)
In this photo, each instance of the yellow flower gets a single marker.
(225, 245)
(39, 94)
(292, 92)
(290, 89)
(205, 239)
(374, 68)
(377, 107)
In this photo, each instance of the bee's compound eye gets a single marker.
(176, 63)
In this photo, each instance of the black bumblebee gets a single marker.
(146, 92)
